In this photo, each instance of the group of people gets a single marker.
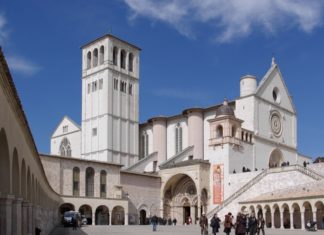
(244, 224)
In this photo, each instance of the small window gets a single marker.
(100, 83)
(101, 55)
(115, 53)
(65, 129)
(94, 86)
(130, 89)
(115, 83)
(130, 62)
(94, 131)
(95, 58)
(276, 95)
(89, 88)
(89, 60)
(219, 131)
(123, 59)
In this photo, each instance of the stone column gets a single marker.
(282, 220)
(16, 216)
(24, 212)
(199, 206)
(273, 219)
(302, 213)
(192, 214)
(109, 219)
(291, 220)
(126, 218)
(30, 219)
(93, 218)
(6, 215)
(314, 215)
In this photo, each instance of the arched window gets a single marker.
(233, 131)
(65, 148)
(76, 181)
(115, 55)
(89, 60)
(219, 131)
(123, 59)
(144, 144)
(103, 177)
(130, 62)
(95, 58)
(101, 55)
(89, 182)
(178, 138)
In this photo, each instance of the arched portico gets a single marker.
(180, 199)
(142, 217)
(276, 216)
(86, 211)
(102, 215)
(286, 223)
(319, 214)
(296, 216)
(65, 207)
(118, 216)
(267, 215)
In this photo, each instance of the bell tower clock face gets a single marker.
(275, 123)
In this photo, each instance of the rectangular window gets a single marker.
(94, 86)
(115, 83)
(89, 88)
(100, 84)
(130, 89)
(94, 131)
(121, 86)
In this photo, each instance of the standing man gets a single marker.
(154, 221)
(253, 224)
(214, 223)
(203, 222)
(261, 223)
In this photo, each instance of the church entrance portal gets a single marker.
(142, 217)
(275, 159)
(180, 199)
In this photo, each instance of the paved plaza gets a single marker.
(162, 230)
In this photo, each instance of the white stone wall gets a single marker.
(245, 110)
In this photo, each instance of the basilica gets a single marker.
(238, 155)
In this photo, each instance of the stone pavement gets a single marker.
(161, 230)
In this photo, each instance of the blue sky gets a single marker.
(194, 53)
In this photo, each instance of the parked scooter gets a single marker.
(311, 226)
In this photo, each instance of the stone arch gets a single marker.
(276, 216)
(130, 62)
(319, 214)
(86, 211)
(308, 212)
(89, 60)
(285, 215)
(296, 216)
(4, 163)
(23, 178)
(101, 55)
(123, 59)
(267, 215)
(219, 131)
(95, 57)
(102, 215)
(252, 210)
(276, 158)
(244, 210)
(15, 174)
(115, 56)
(143, 214)
(65, 207)
(118, 216)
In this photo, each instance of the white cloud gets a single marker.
(231, 19)
(3, 32)
(22, 65)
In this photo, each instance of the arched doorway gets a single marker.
(102, 215)
(89, 182)
(65, 207)
(267, 215)
(15, 174)
(180, 199)
(286, 216)
(142, 217)
(308, 214)
(276, 214)
(319, 214)
(118, 216)
(86, 211)
(296, 216)
(4, 164)
(276, 158)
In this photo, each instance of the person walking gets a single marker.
(203, 222)
(154, 221)
(74, 222)
(214, 223)
(228, 223)
(174, 222)
(240, 228)
(253, 224)
(261, 224)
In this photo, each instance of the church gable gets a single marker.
(273, 89)
(66, 126)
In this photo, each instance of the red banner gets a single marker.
(218, 183)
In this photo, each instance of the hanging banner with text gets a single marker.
(218, 183)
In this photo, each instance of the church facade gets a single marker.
(200, 160)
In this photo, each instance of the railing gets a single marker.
(304, 170)
(238, 193)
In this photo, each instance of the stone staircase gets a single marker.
(256, 179)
